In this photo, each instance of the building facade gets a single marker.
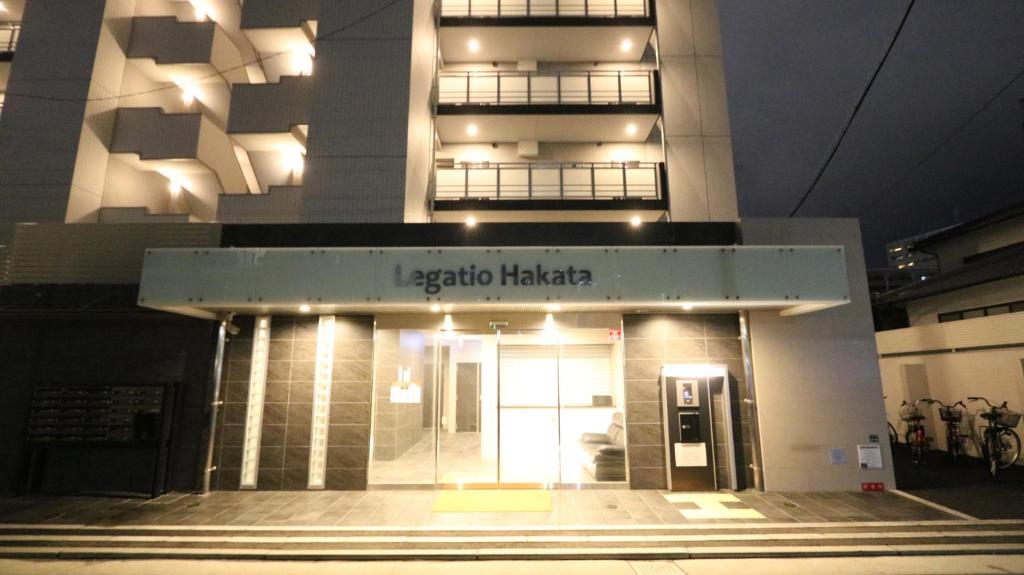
(452, 243)
(966, 323)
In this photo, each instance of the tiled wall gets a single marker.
(288, 407)
(398, 426)
(654, 340)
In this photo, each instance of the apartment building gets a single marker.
(964, 337)
(411, 243)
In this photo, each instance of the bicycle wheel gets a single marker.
(993, 452)
(954, 445)
(1010, 447)
(969, 447)
(916, 449)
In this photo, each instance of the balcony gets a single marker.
(278, 26)
(583, 88)
(545, 9)
(9, 34)
(486, 31)
(267, 117)
(186, 149)
(184, 51)
(549, 186)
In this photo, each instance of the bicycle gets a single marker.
(916, 437)
(1001, 446)
(957, 442)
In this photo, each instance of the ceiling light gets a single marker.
(470, 221)
(435, 308)
(635, 221)
(626, 45)
(448, 324)
(187, 95)
(295, 161)
(200, 9)
(631, 129)
(472, 130)
(304, 308)
(474, 45)
(687, 307)
(554, 307)
(2, 7)
(174, 187)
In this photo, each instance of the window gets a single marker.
(997, 309)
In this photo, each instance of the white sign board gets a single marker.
(691, 454)
(870, 456)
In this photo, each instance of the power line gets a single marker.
(856, 109)
(217, 73)
(944, 142)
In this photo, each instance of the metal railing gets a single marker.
(9, 34)
(547, 181)
(539, 88)
(544, 8)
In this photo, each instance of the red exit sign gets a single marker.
(615, 334)
(872, 487)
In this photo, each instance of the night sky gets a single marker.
(914, 159)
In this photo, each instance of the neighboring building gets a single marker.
(904, 255)
(966, 326)
(409, 243)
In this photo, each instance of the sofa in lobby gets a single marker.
(604, 454)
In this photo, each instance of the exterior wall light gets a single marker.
(187, 95)
(626, 45)
(636, 221)
(254, 403)
(631, 129)
(474, 45)
(472, 129)
(470, 221)
(174, 187)
(304, 308)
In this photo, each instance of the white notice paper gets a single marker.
(691, 454)
(870, 456)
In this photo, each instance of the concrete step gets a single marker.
(691, 541)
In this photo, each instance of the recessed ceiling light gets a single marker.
(626, 45)
(174, 187)
(472, 129)
(304, 308)
(635, 221)
(474, 45)
(470, 221)
(631, 129)
(554, 307)
(435, 308)
(687, 306)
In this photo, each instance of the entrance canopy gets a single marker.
(205, 282)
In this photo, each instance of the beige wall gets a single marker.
(698, 145)
(951, 253)
(926, 311)
(997, 374)
(817, 375)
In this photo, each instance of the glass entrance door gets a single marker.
(528, 409)
(487, 409)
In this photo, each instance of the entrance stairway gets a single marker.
(678, 542)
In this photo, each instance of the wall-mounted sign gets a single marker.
(274, 280)
(615, 334)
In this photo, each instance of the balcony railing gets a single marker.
(9, 34)
(544, 8)
(544, 181)
(546, 88)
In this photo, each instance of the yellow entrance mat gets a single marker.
(492, 501)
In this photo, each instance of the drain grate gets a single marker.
(655, 568)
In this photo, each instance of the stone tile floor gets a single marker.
(411, 508)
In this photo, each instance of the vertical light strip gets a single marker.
(321, 402)
(254, 405)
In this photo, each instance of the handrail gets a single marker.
(545, 8)
(547, 88)
(9, 34)
(547, 181)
